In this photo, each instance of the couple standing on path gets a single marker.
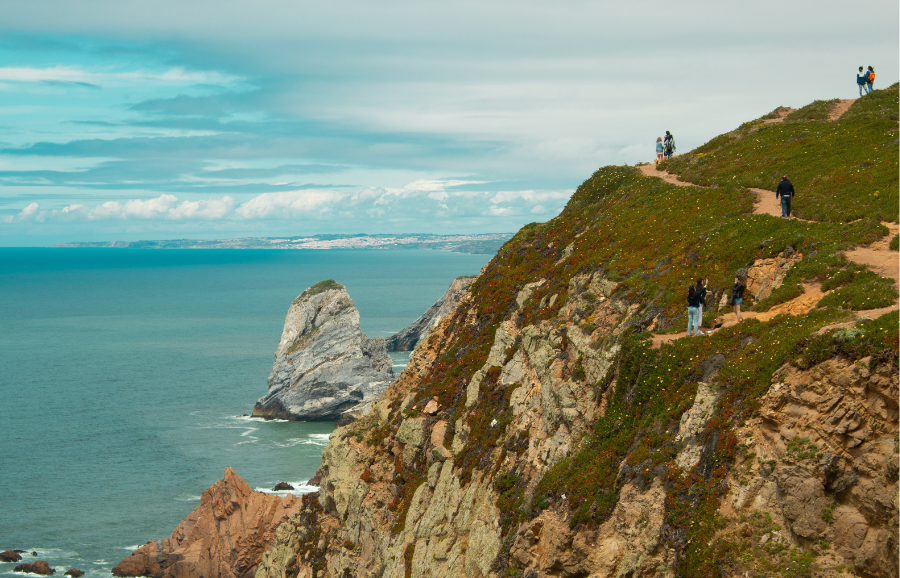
(864, 80)
(665, 148)
(697, 299)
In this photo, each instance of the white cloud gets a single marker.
(289, 204)
(108, 77)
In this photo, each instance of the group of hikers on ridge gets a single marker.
(696, 299)
(864, 80)
(665, 148)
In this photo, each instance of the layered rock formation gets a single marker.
(324, 364)
(224, 536)
(419, 329)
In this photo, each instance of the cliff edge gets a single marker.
(324, 364)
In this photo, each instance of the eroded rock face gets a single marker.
(419, 329)
(766, 275)
(224, 536)
(324, 364)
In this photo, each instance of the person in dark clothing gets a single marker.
(737, 297)
(870, 78)
(786, 191)
(669, 145)
(693, 312)
(700, 288)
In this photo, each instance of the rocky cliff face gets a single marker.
(324, 364)
(224, 536)
(536, 432)
(419, 329)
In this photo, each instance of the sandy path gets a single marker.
(781, 114)
(840, 108)
(649, 170)
(878, 257)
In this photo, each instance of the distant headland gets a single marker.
(487, 243)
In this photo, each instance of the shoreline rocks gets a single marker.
(39, 567)
(224, 536)
(324, 364)
(10, 556)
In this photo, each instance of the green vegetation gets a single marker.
(842, 171)
(320, 287)
(895, 243)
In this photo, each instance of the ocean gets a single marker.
(125, 375)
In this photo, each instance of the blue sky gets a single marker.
(147, 120)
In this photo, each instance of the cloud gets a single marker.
(94, 78)
(288, 204)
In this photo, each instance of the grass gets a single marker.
(842, 171)
(320, 287)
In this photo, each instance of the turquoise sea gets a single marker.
(125, 374)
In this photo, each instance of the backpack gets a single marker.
(870, 77)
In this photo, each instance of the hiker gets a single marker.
(737, 297)
(659, 149)
(669, 145)
(693, 312)
(701, 294)
(870, 78)
(786, 191)
(861, 81)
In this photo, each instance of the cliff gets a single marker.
(554, 425)
(418, 330)
(324, 364)
(224, 536)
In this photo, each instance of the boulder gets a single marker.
(224, 536)
(39, 567)
(324, 364)
(74, 573)
(281, 486)
(419, 329)
(10, 556)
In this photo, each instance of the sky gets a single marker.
(131, 119)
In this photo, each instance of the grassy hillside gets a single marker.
(654, 239)
(842, 171)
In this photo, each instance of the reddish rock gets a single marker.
(39, 567)
(10, 556)
(74, 573)
(316, 480)
(225, 536)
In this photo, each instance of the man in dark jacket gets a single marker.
(669, 145)
(786, 191)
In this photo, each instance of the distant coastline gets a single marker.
(475, 244)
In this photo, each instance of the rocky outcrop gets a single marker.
(419, 329)
(74, 573)
(324, 364)
(10, 556)
(224, 536)
(39, 567)
(766, 275)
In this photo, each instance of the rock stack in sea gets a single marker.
(324, 364)
(418, 330)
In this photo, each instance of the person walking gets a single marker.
(870, 78)
(693, 312)
(786, 191)
(659, 149)
(737, 297)
(669, 145)
(861, 81)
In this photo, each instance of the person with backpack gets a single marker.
(737, 297)
(861, 81)
(786, 191)
(669, 145)
(870, 78)
(693, 312)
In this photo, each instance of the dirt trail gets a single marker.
(840, 108)
(783, 112)
(878, 257)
